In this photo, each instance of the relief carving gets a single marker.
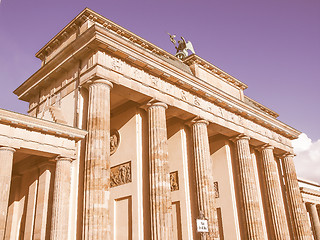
(120, 174)
(183, 95)
(114, 141)
(216, 189)
(196, 101)
(116, 64)
(174, 181)
(141, 76)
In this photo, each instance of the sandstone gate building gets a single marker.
(126, 141)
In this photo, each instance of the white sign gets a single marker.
(202, 225)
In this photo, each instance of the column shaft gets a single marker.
(97, 164)
(42, 202)
(249, 191)
(314, 218)
(6, 161)
(275, 201)
(61, 198)
(161, 206)
(298, 211)
(204, 178)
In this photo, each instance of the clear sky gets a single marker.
(273, 46)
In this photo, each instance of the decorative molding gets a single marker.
(39, 125)
(217, 107)
(192, 59)
(260, 107)
(120, 174)
(174, 181)
(89, 15)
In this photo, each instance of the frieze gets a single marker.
(120, 174)
(177, 92)
(174, 181)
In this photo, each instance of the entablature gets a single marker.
(99, 41)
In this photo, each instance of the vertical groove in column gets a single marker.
(298, 210)
(275, 201)
(204, 179)
(249, 190)
(161, 206)
(314, 218)
(61, 198)
(97, 164)
(6, 161)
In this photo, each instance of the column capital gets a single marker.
(288, 154)
(264, 147)
(240, 136)
(62, 158)
(95, 80)
(154, 102)
(198, 120)
(5, 148)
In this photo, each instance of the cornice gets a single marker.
(88, 14)
(310, 191)
(259, 106)
(215, 70)
(39, 125)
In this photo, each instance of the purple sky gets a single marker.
(273, 46)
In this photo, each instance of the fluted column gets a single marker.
(40, 222)
(61, 198)
(97, 164)
(314, 218)
(161, 208)
(204, 180)
(275, 201)
(298, 211)
(6, 161)
(251, 207)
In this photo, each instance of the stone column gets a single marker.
(298, 211)
(61, 198)
(314, 218)
(40, 222)
(204, 180)
(249, 191)
(274, 194)
(6, 162)
(160, 193)
(97, 164)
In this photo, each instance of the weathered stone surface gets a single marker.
(275, 201)
(6, 159)
(249, 191)
(204, 181)
(161, 209)
(61, 198)
(298, 211)
(314, 219)
(97, 164)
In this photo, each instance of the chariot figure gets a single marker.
(182, 48)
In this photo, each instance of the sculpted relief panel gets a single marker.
(120, 174)
(168, 88)
(174, 181)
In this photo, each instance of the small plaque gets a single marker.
(202, 225)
